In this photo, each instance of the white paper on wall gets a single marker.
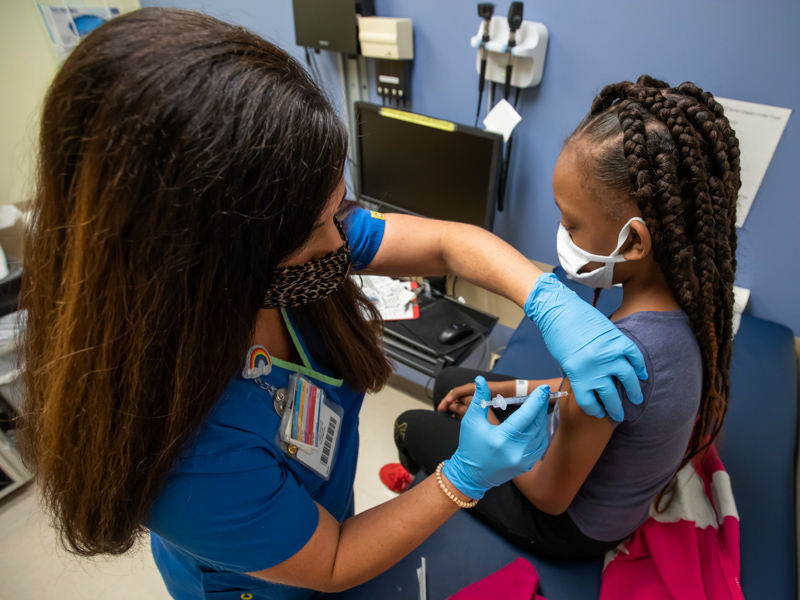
(740, 297)
(502, 119)
(759, 128)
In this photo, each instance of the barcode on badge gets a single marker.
(326, 447)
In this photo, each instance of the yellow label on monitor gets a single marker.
(402, 115)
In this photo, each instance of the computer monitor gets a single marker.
(423, 166)
(330, 24)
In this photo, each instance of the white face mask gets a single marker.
(573, 259)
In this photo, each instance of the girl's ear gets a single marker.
(639, 242)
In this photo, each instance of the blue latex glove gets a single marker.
(588, 346)
(489, 455)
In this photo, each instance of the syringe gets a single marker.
(502, 403)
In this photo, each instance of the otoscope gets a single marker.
(514, 23)
(485, 10)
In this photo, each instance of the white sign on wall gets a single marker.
(67, 25)
(759, 128)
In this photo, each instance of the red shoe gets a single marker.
(395, 477)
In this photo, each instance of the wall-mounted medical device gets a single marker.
(511, 52)
(390, 42)
(528, 51)
(330, 24)
(384, 37)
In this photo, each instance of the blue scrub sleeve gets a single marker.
(364, 229)
(240, 521)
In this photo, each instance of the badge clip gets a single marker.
(258, 363)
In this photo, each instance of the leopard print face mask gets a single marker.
(299, 285)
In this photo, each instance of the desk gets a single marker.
(415, 344)
(9, 288)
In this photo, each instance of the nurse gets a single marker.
(197, 354)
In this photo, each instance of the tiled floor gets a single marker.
(31, 567)
(376, 431)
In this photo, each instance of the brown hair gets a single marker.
(182, 160)
(673, 152)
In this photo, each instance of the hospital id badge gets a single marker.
(301, 416)
(321, 459)
(310, 425)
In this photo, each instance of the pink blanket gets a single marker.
(689, 552)
(515, 581)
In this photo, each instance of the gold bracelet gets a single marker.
(450, 494)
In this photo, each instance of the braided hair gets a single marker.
(673, 152)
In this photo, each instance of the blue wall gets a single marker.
(737, 49)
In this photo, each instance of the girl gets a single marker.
(647, 188)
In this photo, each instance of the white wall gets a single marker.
(27, 65)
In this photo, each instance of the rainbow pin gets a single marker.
(258, 363)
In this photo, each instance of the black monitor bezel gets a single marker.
(494, 170)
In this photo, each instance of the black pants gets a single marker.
(425, 438)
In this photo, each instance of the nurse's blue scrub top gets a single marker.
(235, 502)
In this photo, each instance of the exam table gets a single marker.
(758, 446)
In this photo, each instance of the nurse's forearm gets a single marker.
(417, 246)
(375, 540)
(484, 259)
(338, 557)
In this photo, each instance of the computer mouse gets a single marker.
(455, 332)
